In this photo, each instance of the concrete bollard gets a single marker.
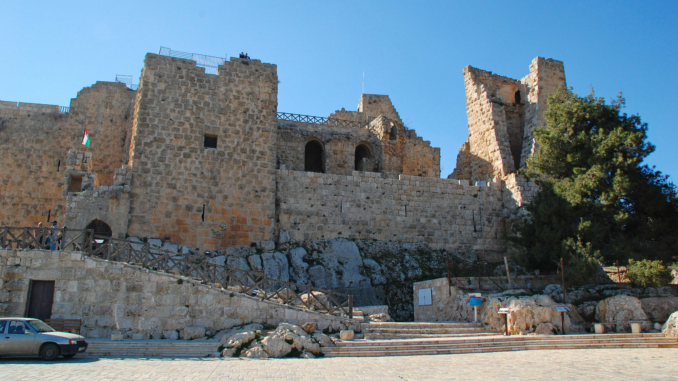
(599, 327)
(636, 328)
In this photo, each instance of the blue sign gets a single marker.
(475, 300)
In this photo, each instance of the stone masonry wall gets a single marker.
(34, 144)
(112, 296)
(204, 197)
(444, 213)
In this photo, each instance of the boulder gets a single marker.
(346, 335)
(155, 243)
(587, 310)
(240, 339)
(224, 336)
(323, 340)
(618, 311)
(275, 266)
(670, 328)
(317, 275)
(297, 265)
(287, 337)
(659, 309)
(373, 270)
(255, 352)
(528, 314)
(309, 327)
(170, 335)
(544, 329)
(254, 261)
(266, 245)
(191, 333)
(284, 237)
(307, 355)
(380, 318)
(342, 263)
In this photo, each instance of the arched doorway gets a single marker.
(100, 228)
(363, 154)
(314, 157)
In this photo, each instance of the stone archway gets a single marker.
(363, 158)
(100, 228)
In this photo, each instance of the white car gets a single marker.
(32, 337)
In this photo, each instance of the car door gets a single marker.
(3, 325)
(20, 339)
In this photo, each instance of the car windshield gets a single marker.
(40, 326)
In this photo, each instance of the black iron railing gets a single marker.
(322, 120)
(192, 264)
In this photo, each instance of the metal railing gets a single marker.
(211, 64)
(194, 265)
(322, 120)
(64, 109)
(127, 80)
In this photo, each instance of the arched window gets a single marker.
(363, 154)
(314, 157)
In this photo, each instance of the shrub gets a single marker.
(647, 273)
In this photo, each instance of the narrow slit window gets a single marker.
(203, 213)
(58, 165)
(210, 141)
(75, 183)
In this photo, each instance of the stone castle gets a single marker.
(207, 161)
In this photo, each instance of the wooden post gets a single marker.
(508, 274)
(350, 306)
(562, 272)
(619, 278)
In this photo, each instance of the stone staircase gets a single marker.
(496, 343)
(393, 330)
(151, 348)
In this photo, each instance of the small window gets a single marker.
(517, 96)
(75, 183)
(210, 141)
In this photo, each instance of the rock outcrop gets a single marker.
(670, 328)
(619, 311)
(659, 309)
(288, 340)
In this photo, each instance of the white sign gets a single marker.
(425, 297)
(505, 311)
(562, 309)
(474, 295)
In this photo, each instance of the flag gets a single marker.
(85, 138)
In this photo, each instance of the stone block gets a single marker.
(346, 335)
(191, 333)
(117, 336)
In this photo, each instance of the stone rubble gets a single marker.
(287, 340)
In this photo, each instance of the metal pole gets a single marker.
(562, 272)
(350, 306)
(475, 314)
(562, 322)
(508, 274)
(506, 322)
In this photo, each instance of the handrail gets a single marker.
(323, 120)
(252, 282)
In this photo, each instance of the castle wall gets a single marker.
(34, 144)
(371, 206)
(204, 197)
(339, 143)
(546, 76)
(113, 296)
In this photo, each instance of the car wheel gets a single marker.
(69, 356)
(49, 352)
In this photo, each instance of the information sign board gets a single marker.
(562, 309)
(505, 311)
(425, 297)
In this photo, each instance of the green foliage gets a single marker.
(596, 201)
(647, 273)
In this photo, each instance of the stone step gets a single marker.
(490, 343)
(151, 348)
(420, 325)
(414, 352)
(395, 336)
(423, 330)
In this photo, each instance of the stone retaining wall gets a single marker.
(111, 296)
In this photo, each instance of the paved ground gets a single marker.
(589, 364)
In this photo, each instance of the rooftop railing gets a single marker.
(322, 120)
(211, 64)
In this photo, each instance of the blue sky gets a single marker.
(412, 51)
